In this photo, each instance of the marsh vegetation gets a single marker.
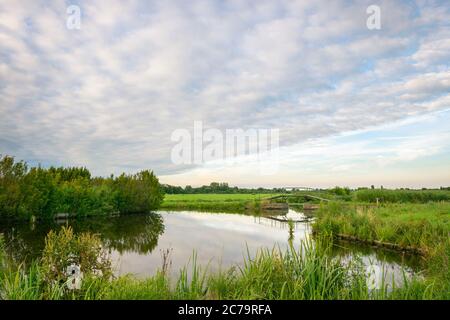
(165, 250)
(37, 193)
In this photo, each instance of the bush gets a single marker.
(43, 193)
(64, 249)
(138, 193)
(11, 195)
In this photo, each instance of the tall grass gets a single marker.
(425, 227)
(306, 272)
(404, 196)
(421, 226)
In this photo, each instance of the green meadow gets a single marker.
(211, 202)
(412, 221)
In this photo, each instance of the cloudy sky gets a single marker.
(353, 106)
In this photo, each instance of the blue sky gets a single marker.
(354, 106)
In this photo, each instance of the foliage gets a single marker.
(219, 188)
(308, 272)
(416, 225)
(422, 226)
(11, 195)
(64, 248)
(2, 254)
(138, 193)
(213, 202)
(340, 191)
(404, 196)
(43, 193)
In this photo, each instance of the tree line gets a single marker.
(218, 187)
(27, 192)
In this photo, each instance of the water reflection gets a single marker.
(219, 240)
(382, 266)
(134, 233)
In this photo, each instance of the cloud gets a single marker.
(109, 95)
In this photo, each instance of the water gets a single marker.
(136, 242)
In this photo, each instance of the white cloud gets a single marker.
(109, 95)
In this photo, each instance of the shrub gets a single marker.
(43, 193)
(138, 193)
(64, 249)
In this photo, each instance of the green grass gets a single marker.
(306, 272)
(424, 227)
(213, 202)
(403, 196)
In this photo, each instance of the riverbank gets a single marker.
(301, 272)
(415, 226)
(421, 228)
(306, 272)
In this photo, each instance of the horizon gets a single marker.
(107, 87)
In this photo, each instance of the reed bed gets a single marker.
(306, 272)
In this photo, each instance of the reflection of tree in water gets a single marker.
(24, 241)
(137, 233)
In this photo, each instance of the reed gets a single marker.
(305, 272)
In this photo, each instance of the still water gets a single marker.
(136, 242)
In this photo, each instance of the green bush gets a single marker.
(11, 195)
(138, 193)
(65, 248)
(43, 193)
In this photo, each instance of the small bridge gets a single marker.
(281, 204)
(286, 196)
(306, 205)
(299, 188)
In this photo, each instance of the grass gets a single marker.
(306, 272)
(403, 196)
(420, 226)
(424, 227)
(237, 203)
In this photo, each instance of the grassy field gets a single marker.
(421, 227)
(305, 272)
(401, 196)
(213, 202)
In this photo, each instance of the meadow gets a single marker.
(423, 228)
(404, 220)
(420, 226)
(211, 202)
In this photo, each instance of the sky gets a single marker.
(354, 106)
